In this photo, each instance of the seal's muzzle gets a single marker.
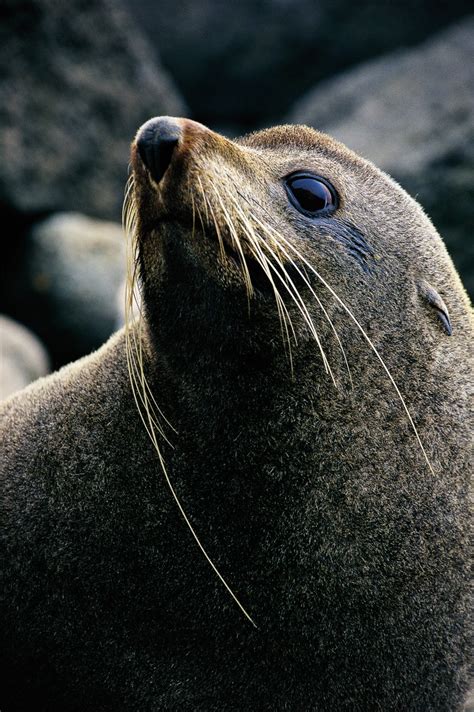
(156, 142)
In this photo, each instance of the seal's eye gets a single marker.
(310, 194)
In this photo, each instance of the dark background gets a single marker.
(394, 81)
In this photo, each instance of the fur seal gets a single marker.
(256, 496)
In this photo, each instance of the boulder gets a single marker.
(412, 114)
(469, 704)
(244, 63)
(23, 357)
(66, 290)
(78, 78)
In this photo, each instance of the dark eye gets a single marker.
(310, 195)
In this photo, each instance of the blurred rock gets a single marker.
(23, 357)
(421, 98)
(78, 79)
(66, 290)
(469, 704)
(77, 264)
(244, 63)
(412, 113)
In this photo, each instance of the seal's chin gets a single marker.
(222, 259)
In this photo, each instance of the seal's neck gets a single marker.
(230, 392)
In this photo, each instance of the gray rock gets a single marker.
(74, 268)
(78, 79)
(412, 113)
(469, 704)
(23, 357)
(245, 62)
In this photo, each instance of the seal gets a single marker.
(255, 496)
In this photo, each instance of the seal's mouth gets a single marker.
(258, 277)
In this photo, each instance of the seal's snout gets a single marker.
(156, 142)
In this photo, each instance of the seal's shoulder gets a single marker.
(61, 405)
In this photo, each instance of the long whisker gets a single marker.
(292, 290)
(141, 390)
(236, 244)
(283, 314)
(286, 323)
(210, 210)
(134, 350)
(302, 273)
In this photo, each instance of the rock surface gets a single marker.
(244, 63)
(412, 113)
(23, 357)
(67, 289)
(469, 705)
(77, 80)
(77, 265)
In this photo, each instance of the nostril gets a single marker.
(156, 141)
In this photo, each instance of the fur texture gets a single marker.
(315, 502)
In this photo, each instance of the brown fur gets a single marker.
(345, 544)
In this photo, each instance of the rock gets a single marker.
(469, 704)
(412, 113)
(66, 291)
(77, 264)
(23, 357)
(77, 81)
(243, 63)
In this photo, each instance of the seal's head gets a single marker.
(271, 266)
(284, 225)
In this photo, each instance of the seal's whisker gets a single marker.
(295, 295)
(236, 243)
(290, 287)
(154, 406)
(150, 426)
(292, 290)
(303, 274)
(209, 209)
(201, 220)
(368, 340)
(283, 313)
(134, 353)
(137, 377)
(193, 209)
(135, 350)
(284, 278)
(152, 434)
(306, 281)
(286, 323)
(144, 392)
(140, 388)
(217, 230)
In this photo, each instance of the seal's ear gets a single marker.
(431, 296)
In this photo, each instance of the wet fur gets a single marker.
(315, 502)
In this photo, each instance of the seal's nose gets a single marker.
(156, 141)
